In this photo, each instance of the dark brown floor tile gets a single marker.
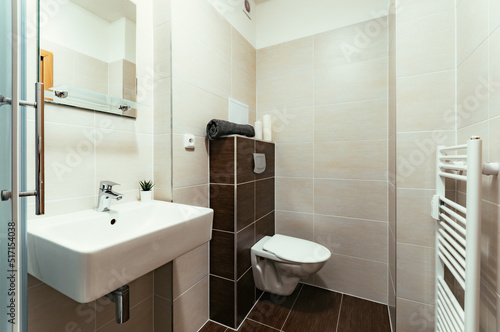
(245, 202)
(272, 310)
(315, 310)
(264, 201)
(213, 327)
(222, 202)
(244, 159)
(245, 296)
(251, 326)
(222, 306)
(264, 227)
(244, 241)
(222, 160)
(222, 254)
(361, 315)
(268, 150)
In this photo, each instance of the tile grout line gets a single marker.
(340, 310)
(259, 323)
(291, 308)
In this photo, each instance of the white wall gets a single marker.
(279, 21)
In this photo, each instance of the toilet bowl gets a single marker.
(279, 262)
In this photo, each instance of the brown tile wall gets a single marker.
(243, 204)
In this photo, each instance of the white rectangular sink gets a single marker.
(88, 254)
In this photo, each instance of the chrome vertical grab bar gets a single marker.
(40, 149)
(39, 191)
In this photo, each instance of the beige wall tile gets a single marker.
(162, 106)
(392, 208)
(294, 159)
(365, 120)
(200, 65)
(69, 160)
(415, 273)
(292, 126)
(191, 309)
(163, 194)
(66, 115)
(295, 224)
(352, 237)
(354, 43)
(161, 12)
(491, 185)
(426, 102)
(49, 310)
(190, 165)
(490, 250)
(391, 245)
(204, 24)
(294, 194)
(414, 316)
(90, 73)
(365, 80)
(472, 88)
(494, 11)
(472, 26)
(243, 54)
(162, 51)
(341, 160)
(494, 72)
(243, 86)
(415, 225)
(124, 148)
(353, 276)
(193, 108)
(162, 161)
(197, 195)
(426, 44)
(292, 58)
(416, 157)
(489, 302)
(189, 269)
(348, 198)
(410, 9)
(285, 92)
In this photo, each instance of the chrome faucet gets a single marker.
(106, 194)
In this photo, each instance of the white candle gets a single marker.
(268, 132)
(258, 129)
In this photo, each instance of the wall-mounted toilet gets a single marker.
(280, 262)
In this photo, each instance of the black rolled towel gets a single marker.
(217, 128)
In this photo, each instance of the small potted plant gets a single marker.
(146, 187)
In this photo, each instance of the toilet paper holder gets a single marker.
(259, 162)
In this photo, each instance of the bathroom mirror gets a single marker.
(88, 54)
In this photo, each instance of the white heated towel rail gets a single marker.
(458, 234)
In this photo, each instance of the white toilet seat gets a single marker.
(296, 250)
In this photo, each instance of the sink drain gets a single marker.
(113, 221)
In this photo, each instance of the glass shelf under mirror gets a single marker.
(86, 99)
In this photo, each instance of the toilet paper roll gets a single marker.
(268, 132)
(258, 129)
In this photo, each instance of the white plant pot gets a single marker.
(146, 196)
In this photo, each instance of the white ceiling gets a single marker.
(258, 2)
(109, 10)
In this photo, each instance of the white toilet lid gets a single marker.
(296, 250)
